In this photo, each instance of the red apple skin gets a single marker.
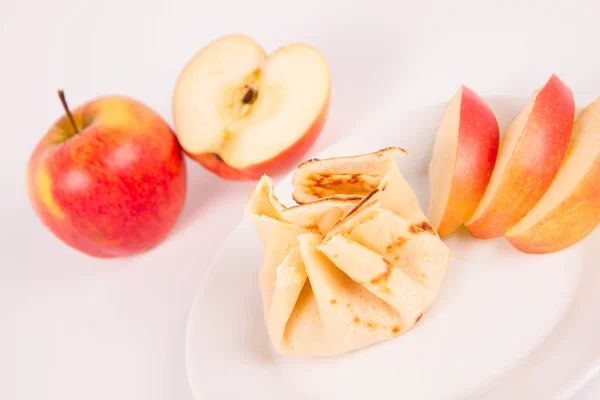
(534, 162)
(114, 189)
(569, 222)
(478, 141)
(276, 165)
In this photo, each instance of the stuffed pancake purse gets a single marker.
(354, 264)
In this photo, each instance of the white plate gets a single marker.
(503, 323)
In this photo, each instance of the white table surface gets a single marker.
(97, 331)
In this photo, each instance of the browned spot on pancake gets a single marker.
(383, 277)
(395, 330)
(418, 318)
(313, 228)
(325, 180)
(356, 320)
(421, 227)
(349, 306)
(398, 242)
(317, 179)
(316, 191)
(372, 325)
(355, 178)
(426, 226)
(414, 228)
(333, 302)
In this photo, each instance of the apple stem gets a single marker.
(61, 95)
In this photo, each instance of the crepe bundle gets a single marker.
(354, 264)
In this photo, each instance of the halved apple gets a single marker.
(531, 152)
(463, 159)
(570, 209)
(242, 114)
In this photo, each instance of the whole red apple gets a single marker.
(108, 178)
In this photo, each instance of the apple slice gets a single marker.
(531, 152)
(242, 114)
(570, 209)
(463, 159)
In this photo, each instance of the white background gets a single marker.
(76, 328)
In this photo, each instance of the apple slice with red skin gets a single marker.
(531, 152)
(463, 159)
(241, 113)
(570, 209)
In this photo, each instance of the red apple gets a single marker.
(570, 209)
(241, 113)
(108, 178)
(463, 159)
(531, 153)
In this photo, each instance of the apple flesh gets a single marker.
(463, 159)
(112, 185)
(570, 209)
(531, 152)
(241, 113)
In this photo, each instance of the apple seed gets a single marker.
(250, 96)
